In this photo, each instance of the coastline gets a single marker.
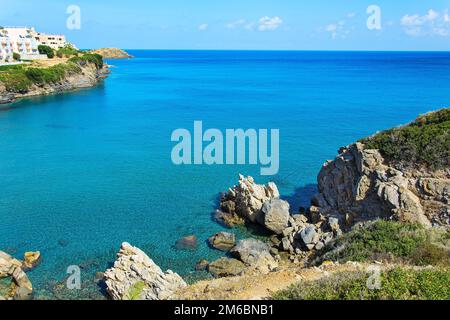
(89, 76)
(141, 244)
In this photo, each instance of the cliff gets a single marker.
(406, 178)
(25, 81)
(112, 53)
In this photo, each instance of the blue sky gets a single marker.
(240, 24)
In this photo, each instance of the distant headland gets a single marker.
(112, 53)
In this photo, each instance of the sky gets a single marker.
(419, 25)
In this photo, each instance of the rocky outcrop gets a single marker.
(274, 215)
(31, 260)
(21, 287)
(135, 276)
(223, 241)
(88, 77)
(255, 254)
(360, 185)
(202, 265)
(112, 53)
(226, 267)
(244, 202)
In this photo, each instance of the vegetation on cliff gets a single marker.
(395, 284)
(111, 53)
(393, 242)
(20, 78)
(422, 143)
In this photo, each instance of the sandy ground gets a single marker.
(255, 286)
(48, 62)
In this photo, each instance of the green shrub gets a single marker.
(88, 58)
(15, 80)
(16, 56)
(67, 50)
(396, 284)
(46, 50)
(423, 143)
(36, 75)
(19, 79)
(135, 291)
(389, 241)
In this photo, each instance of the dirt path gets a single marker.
(254, 286)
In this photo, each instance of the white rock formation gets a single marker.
(135, 276)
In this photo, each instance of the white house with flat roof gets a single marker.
(21, 39)
(25, 41)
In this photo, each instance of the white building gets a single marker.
(55, 41)
(25, 41)
(21, 40)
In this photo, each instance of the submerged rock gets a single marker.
(187, 243)
(223, 241)
(135, 276)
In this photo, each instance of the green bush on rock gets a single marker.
(390, 241)
(43, 49)
(396, 284)
(20, 78)
(424, 142)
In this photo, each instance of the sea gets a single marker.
(84, 171)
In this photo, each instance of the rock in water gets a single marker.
(255, 254)
(247, 198)
(187, 243)
(135, 276)
(31, 260)
(275, 215)
(202, 265)
(226, 267)
(10, 267)
(223, 241)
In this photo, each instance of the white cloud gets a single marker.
(431, 23)
(236, 24)
(269, 24)
(203, 27)
(263, 24)
(340, 29)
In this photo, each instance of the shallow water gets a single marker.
(84, 171)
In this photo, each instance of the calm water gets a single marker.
(82, 172)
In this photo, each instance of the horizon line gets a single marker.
(268, 50)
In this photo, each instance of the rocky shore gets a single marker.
(358, 188)
(20, 287)
(89, 76)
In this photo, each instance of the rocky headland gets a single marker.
(112, 53)
(23, 81)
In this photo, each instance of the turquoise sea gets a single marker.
(84, 171)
